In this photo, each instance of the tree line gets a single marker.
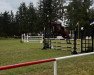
(30, 19)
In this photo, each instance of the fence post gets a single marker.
(75, 39)
(92, 37)
(55, 67)
(82, 34)
(22, 37)
(27, 38)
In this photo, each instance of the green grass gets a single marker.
(13, 51)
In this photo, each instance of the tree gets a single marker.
(26, 18)
(48, 10)
(91, 15)
(78, 12)
(1, 25)
(12, 24)
(6, 23)
(22, 18)
(17, 24)
(32, 19)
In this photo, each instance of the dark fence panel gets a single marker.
(87, 37)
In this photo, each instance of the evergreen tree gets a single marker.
(1, 25)
(14, 25)
(48, 10)
(6, 23)
(91, 15)
(17, 24)
(22, 18)
(78, 12)
(32, 19)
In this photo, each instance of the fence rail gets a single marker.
(33, 39)
(43, 61)
(25, 64)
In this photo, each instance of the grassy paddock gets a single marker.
(13, 51)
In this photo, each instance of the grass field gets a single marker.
(13, 51)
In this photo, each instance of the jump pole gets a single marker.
(25, 64)
(44, 61)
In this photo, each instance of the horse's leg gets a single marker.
(68, 40)
(67, 36)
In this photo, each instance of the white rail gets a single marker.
(44, 61)
(33, 39)
(67, 57)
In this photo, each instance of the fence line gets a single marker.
(62, 44)
(26, 64)
(44, 61)
(33, 39)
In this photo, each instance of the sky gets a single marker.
(14, 4)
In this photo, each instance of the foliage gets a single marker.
(29, 19)
(48, 11)
(78, 12)
(12, 52)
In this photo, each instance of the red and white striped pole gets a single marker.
(43, 61)
(25, 64)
